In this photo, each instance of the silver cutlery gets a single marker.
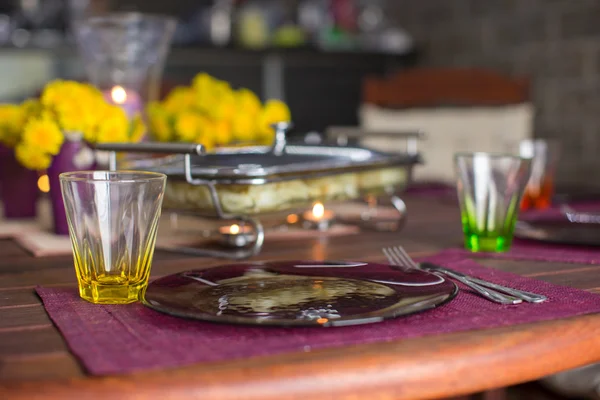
(522, 294)
(396, 257)
(579, 217)
(500, 294)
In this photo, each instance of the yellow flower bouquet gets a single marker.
(37, 128)
(54, 133)
(210, 112)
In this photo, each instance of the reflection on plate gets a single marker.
(559, 231)
(298, 293)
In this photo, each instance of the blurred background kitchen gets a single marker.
(317, 54)
(331, 46)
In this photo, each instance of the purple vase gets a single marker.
(74, 155)
(18, 187)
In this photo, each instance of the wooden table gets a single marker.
(35, 361)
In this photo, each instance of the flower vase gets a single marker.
(75, 155)
(124, 54)
(18, 187)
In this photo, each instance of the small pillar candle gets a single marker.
(128, 100)
(319, 217)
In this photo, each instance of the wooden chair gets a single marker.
(434, 87)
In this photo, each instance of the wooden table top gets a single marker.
(35, 361)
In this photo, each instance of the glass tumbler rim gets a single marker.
(88, 176)
(490, 155)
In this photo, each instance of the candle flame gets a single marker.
(318, 210)
(44, 183)
(118, 95)
(234, 229)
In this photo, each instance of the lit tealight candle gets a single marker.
(128, 100)
(319, 217)
(44, 183)
(236, 235)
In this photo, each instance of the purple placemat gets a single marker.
(526, 250)
(122, 339)
(437, 190)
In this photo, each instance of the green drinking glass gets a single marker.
(490, 188)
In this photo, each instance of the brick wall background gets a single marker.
(556, 43)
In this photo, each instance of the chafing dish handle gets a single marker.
(280, 142)
(152, 147)
(149, 147)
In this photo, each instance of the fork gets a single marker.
(399, 258)
(581, 217)
(398, 254)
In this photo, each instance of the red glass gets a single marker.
(540, 188)
(538, 198)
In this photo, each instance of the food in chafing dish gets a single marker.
(278, 196)
(257, 180)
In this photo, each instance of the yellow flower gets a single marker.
(273, 111)
(32, 108)
(32, 157)
(207, 139)
(114, 112)
(113, 131)
(93, 91)
(225, 107)
(12, 119)
(189, 125)
(203, 82)
(247, 101)
(52, 92)
(113, 125)
(203, 89)
(220, 133)
(186, 126)
(76, 106)
(138, 128)
(43, 134)
(160, 127)
(245, 127)
(60, 92)
(209, 111)
(221, 89)
(179, 99)
(204, 101)
(73, 116)
(11, 114)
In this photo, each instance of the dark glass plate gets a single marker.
(298, 293)
(559, 232)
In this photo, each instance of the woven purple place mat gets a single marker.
(526, 250)
(125, 338)
(440, 191)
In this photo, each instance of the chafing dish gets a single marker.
(243, 183)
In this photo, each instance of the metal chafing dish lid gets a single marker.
(254, 162)
(280, 160)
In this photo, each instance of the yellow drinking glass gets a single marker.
(113, 220)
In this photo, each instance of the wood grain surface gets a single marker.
(35, 361)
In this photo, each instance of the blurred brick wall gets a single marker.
(556, 43)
